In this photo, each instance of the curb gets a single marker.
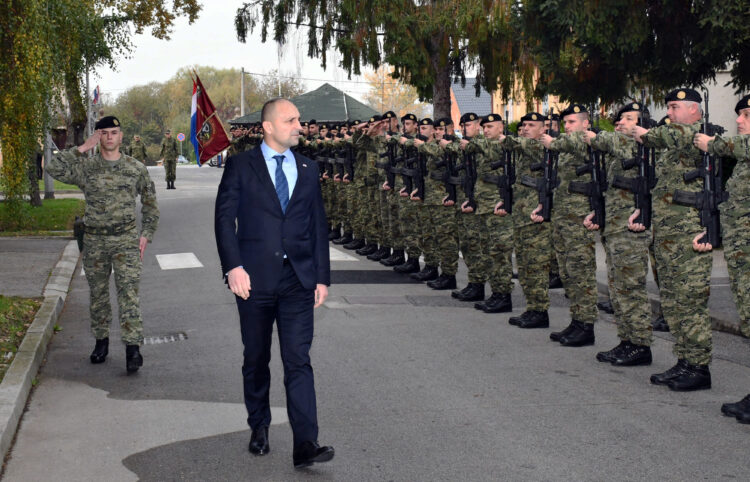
(14, 390)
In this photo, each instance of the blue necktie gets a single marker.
(282, 188)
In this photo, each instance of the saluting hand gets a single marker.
(91, 142)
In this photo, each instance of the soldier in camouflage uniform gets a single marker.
(573, 243)
(684, 274)
(397, 242)
(408, 210)
(369, 144)
(531, 241)
(388, 223)
(627, 251)
(735, 224)
(168, 154)
(110, 182)
(360, 192)
(137, 149)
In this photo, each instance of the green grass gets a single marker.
(59, 186)
(54, 215)
(16, 315)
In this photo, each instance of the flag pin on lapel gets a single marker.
(304, 165)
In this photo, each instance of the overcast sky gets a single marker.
(212, 41)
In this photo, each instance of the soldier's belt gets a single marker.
(438, 176)
(110, 230)
(491, 178)
(381, 165)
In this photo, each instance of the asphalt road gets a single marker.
(411, 386)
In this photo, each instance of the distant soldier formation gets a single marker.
(397, 189)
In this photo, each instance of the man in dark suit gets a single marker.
(272, 237)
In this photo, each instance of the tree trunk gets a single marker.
(441, 89)
(31, 169)
(77, 127)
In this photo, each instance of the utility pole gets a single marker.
(242, 91)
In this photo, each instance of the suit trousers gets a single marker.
(291, 307)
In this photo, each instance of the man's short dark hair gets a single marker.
(268, 108)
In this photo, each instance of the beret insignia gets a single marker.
(681, 94)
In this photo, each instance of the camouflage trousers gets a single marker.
(497, 242)
(351, 191)
(100, 255)
(396, 235)
(427, 240)
(385, 219)
(170, 169)
(627, 268)
(374, 227)
(471, 226)
(684, 285)
(737, 255)
(574, 245)
(442, 219)
(554, 267)
(408, 217)
(533, 246)
(325, 190)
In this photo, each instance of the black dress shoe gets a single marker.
(308, 453)
(733, 409)
(410, 266)
(259, 441)
(475, 292)
(660, 324)
(383, 252)
(367, 250)
(556, 335)
(555, 281)
(497, 303)
(693, 377)
(101, 350)
(346, 238)
(606, 306)
(633, 355)
(582, 335)
(674, 372)
(535, 319)
(355, 244)
(443, 282)
(610, 355)
(515, 320)
(394, 259)
(428, 273)
(133, 358)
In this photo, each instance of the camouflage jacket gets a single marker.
(618, 203)
(738, 185)
(137, 150)
(526, 199)
(371, 147)
(110, 188)
(239, 144)
(169, 149)
(485, 193)
(573, 150)
(678, 155)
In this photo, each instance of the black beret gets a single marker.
(553, 117)
(533, 116)
(664, 121)
(444, 121)
(683, 94)
(376, 118)
(324, 126)
(409, 117)
(468, 117)
(355, 122)
(389, 115)
(491, 118)
(108, 122)
(313, 122)
(744, 103)
(573, 109)
(426, 122)
(304, 124)
(631, 107)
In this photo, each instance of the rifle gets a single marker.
(469, 179)
(643, 182)
(505, 180)
(547, 184)
(390, 165)
(450, 175)
(596, 187)
(707, 200)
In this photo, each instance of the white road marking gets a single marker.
(178, 261)
(337, 255)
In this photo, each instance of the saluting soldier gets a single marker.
(110, 182)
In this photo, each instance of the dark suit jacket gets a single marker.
(263, 232)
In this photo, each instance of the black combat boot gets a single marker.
(457, 293)
(606, 306)
(346, 238)
(381, 253)
(475, 292)
(535, 319)
(664, 377)
(367, 249)
(744, 417)
(555, 281)
(610, 355)
(660, 324)
(633, 355)
(582, 335)
(443, 282)
(334, 233)
(410, 266)
(693, 377)
(395, 259)
(355, 244)
(515, 320)
(428, 273)
(101, 350)
(734, 409)
(173, 185)
(556, 335)
(496, 303)
(133, 358)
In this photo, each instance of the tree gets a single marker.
(426, 42)
(387, 93)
